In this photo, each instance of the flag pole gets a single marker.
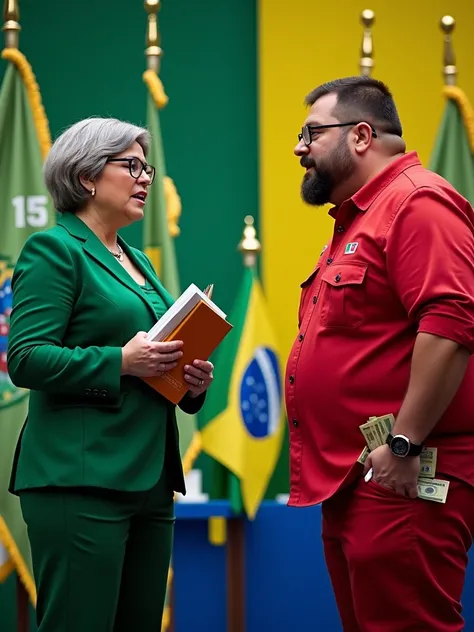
(11, 28)
(249, 247)
(450, 71)
(153, 51)
(367, 17)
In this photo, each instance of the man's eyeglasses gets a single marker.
(136, 167)
(308, 130)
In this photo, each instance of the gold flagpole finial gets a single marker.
(153, 51)
(249, 245)
(367, 18)
(11, 26)
(449, 61)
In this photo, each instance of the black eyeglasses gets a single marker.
(136, 167)
(308, 130)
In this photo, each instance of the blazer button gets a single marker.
(291, 379)
(87, 392)
(103, 393)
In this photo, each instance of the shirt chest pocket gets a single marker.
(343, 295)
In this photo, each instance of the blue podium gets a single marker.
(285, 585)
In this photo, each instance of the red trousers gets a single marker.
(396, 564)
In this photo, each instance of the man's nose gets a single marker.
(301, 149)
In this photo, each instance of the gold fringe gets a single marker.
(6, 570)
(34, 97)
(173, 206)
(192, 452)
(173, 201)
(18, 561)
(156, 88)
(467, 112)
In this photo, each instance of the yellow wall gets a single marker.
(306, 42)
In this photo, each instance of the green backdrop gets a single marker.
(88, 57)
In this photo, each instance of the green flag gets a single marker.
(453, 154)
(159, 229)
(25, 207)
(158, 244)
(242, 423)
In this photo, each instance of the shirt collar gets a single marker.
(366, 195)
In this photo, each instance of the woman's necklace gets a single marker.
(118, 255)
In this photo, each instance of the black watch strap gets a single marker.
(414, 448)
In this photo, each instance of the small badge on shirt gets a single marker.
(351, 248)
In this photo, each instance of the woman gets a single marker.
(98, 458)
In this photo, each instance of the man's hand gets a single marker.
(395, 473)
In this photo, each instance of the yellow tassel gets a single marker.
(173, 206)
(34, 97)
(467, 112)
(217, 530)
(156, 88)
(18, 561)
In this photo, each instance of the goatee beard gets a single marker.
(317, 188)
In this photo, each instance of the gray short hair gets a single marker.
(82, 151)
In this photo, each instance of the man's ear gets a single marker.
(363, 139)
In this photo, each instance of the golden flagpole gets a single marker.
(367, 17)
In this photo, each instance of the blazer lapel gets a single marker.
(96, 249)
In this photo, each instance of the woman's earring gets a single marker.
(93, 191)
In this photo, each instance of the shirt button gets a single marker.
(300, 337)
(329, 261)
(291, 379)
(295, 423)
(340, 229)
(315, 298)
(337, 278)
(87, 391)
(103, 393)
(95, 392)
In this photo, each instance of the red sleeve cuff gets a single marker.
(448, 327)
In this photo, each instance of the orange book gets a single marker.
(201, 331)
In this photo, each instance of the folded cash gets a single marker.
(363, 456)
(428, 458)
(433, 489)
(376, 429)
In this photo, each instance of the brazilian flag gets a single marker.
(242, 423)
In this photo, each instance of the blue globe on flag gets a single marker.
(260, 394)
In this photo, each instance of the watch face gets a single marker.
(400, 446)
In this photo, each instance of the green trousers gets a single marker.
(100, 558)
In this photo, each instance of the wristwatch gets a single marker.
(402, 446)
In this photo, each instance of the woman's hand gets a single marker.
(143, 358)
(198, 376)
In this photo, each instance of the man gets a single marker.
(386, 325)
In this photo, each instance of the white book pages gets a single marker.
(178, 312)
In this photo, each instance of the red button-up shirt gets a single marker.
(401, 261)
